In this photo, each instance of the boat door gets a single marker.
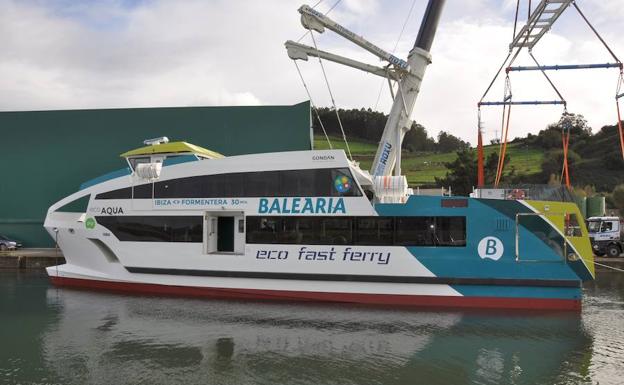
(224, 232)
(534, 229)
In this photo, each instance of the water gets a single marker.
(67, 336)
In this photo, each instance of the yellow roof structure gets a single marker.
(172, 148)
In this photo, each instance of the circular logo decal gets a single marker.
(342, 183)
(90, 223)
(491, 247)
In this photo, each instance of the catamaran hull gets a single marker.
(312, 235)
(404, 295)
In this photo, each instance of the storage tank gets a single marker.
(581, 202)
(595, 206)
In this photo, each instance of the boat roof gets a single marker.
(173, 148)
(603, 218)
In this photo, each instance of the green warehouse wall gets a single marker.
(46, 155)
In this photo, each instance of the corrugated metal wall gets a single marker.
(46, 155)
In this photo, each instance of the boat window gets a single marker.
(343, 183)
(123, 193)
(233, 184)
(375, 230)
(415, 231)
(192, 187)
(288, 183)
(450, 231)
(296, 183)
(299, 230)
(572, 226)
(260, 184)
(142, 191)
(212, 186)
(337, 230)
(263, 229)
(593, 226)
(154, 228)
(135, 161)
(371, 231)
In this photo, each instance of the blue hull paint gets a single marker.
(541, 258)
(103, 178)
(170, 161)
(571, 293)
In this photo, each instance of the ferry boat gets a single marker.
(313, 226)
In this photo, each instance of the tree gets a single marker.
(448, 143)
(612, 160)
(417, 139)
(618, 197)
(462, 174)
(553, 163)
(551, 138)
(491, 167)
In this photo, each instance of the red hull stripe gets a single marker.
(361, 298)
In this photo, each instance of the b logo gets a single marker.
(491, 247)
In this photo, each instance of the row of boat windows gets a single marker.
(322, 182)
(372, 231)
(154, 228)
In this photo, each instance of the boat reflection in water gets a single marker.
(129, 339)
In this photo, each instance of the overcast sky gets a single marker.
(67, 54)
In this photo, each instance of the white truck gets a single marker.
(606, 235)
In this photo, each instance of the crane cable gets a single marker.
(515, 20)
(326, 13)
(396, 44)
(566, 126)
(305, 86)
(504, 131)
(313, 106)
(617, 105)
(565, 120)
(480, 173)
(565, 117)
(487, 90)
(507, 97)
(609, 267)
(620, 79)
(331, 95)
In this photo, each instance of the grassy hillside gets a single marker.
(422, 168)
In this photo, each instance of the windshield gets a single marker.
(593, 226)
(135, 161)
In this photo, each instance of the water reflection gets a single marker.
(111, 338)
(63, 336)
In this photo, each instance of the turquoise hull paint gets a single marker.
(540, 259)
(581, 270)
(571, 293)
(103, 178)
(170, 161)
(468, 264)
(126, 171)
